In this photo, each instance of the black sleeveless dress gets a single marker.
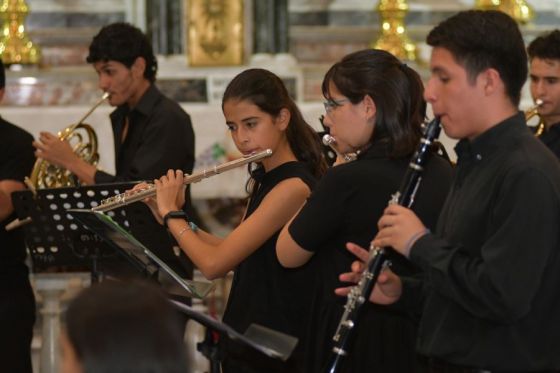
(265, 293)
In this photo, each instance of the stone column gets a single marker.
(270, 26)
(135, 13)
(271, 33)
(164, 26)
(51, 287)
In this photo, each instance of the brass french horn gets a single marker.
(83, 139)
(534, 112)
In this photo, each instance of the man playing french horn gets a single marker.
(152, 133)
(544, 56)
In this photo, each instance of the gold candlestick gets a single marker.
(487, 4)
(394, 38)
(15, 46)
(519, 10)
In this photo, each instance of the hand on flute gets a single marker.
(170, 192)
(149, 201)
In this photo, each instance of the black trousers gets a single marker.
(433, 365)
(17, 316)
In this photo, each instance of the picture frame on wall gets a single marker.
(215, 32)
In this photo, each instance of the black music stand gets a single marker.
(267, 341)
(120, 239)
(57, 242)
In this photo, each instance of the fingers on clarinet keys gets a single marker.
(387, 265)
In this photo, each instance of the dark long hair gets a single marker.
(267, 91)
(396, 89)
(125, 327)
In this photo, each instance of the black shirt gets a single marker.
(265, 293)
(345, 206)
(16, 162)
(492, 268)
(160, 137)
(551, 138)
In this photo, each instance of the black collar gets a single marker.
(145, 105)
(376, 149)
(503, 134)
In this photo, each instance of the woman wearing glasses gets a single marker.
(374, 107)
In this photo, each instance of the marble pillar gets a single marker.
(270, 26)
(271, 35)
(165, 26)
(50, 287)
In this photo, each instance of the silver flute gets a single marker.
(132, 196)
(329, 141)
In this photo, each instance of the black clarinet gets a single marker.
(378, 255)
